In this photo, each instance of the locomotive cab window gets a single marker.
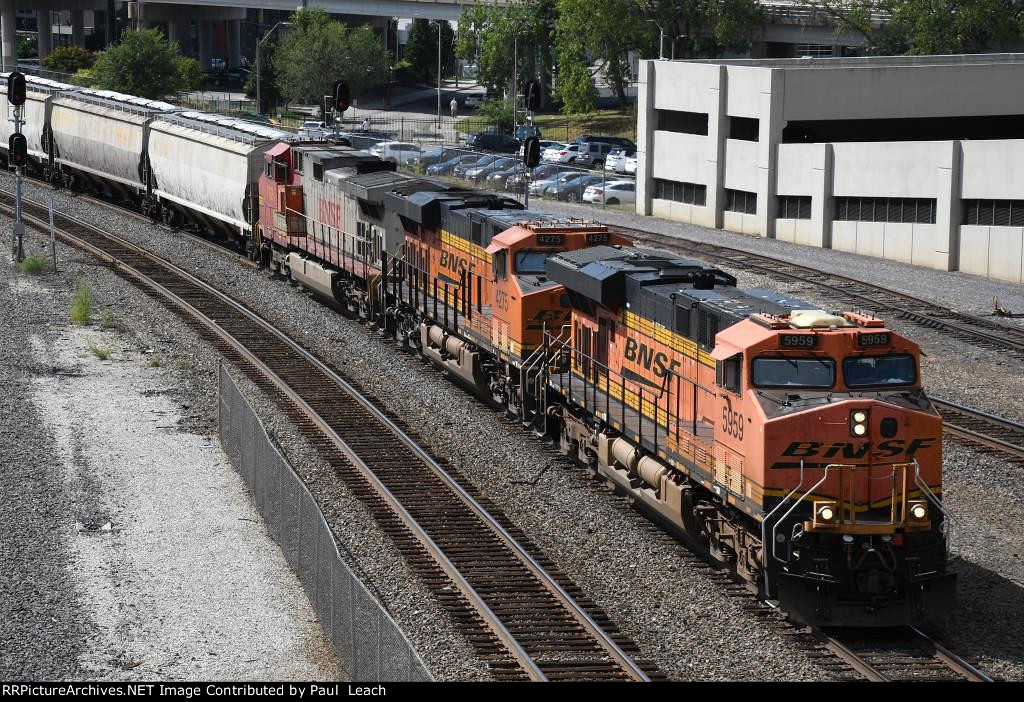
(531, 262)
(730, 373)
(870, 371)
(500, 264)
(788, 372)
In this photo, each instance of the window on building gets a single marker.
(689, 193)
(813, 50)
(740, 201)
(794, 207)
(685, 122)
(885, 209)
(994, 213)
(745, 128)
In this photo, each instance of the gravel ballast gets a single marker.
(131, 549)
(678, 616)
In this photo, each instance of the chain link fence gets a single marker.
(367, 641)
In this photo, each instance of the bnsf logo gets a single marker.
(888, 449)
(656, 362)
(454, 262)
(330, 213)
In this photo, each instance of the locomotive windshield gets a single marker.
(794, 372)
(531, 262)
(866, 371)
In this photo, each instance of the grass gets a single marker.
(567, 127)
(33, 264)
(98, 351)
(183, 363)
(81, 304)
(154, 363)
(107, 320)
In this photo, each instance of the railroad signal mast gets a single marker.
(531, 145)
(18, 150)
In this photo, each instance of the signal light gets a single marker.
(341, 97)
(17, 149)
(532, 96)
(531, 152)
(16, 88)
(859, 423)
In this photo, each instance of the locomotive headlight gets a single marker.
(825, 512)
(859, 422)
(918, 511)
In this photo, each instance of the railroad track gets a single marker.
(981, 332)
(522, 615)
(986, 432)
(903, 654)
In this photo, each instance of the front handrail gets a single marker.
(948, 522)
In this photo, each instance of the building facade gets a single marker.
(915, 159)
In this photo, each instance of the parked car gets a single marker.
(524, 131)
(446, 168)
(516, 181)
(631, 165)
(401, 153)
(615, 192)
(614, 140)
(541, 187)
(548, 149)
(475, 99)
(593, 153)
(314, 131)
(436, 155)
(491, 141)
(616, 159)
(572, 189)
(567, 154)
(500, 178)
(479, 160)
(480, 173)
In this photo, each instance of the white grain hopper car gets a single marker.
(184, 167)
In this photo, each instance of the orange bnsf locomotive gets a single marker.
(797, 445)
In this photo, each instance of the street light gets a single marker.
(259, 65)
(439, 73)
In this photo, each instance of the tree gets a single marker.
(421, 47)
(143, 64)
(702, 28)
(69, 59)
(319, 51)
(889, 27)
(517, 39)
(604, 29)
(270, 95)
(27, 46)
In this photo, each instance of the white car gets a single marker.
(568, 153)
(401, 153)
(631, 165)
(616, 160)
(314, 131)
(615, 192)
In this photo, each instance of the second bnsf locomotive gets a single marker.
(797, 445)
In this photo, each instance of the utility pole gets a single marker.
(439, 73)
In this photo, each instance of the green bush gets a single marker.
(97, 351)
(33, 264)
(81, 304)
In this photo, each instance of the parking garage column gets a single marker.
(205, 30)
(9, 38)
(768, 139)
(645, 125)
(78, 27)
(234, 43)
(718, 132)
(44, 24)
